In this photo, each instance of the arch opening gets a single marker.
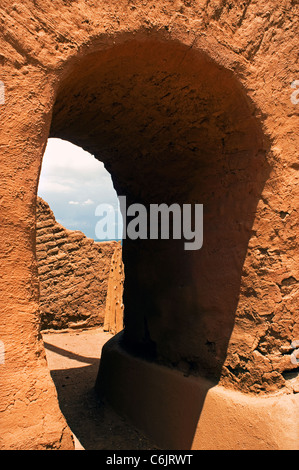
(74, 183)
(79, 308)
(172, 126)
(73, 265)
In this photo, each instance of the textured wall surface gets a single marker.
(114, 313)
(73, 274)
(183, 101)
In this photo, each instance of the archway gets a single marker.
(172, 126)
(73, 265)
(44, 46)
(76, 288)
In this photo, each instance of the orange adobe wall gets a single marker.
(73, 274)
(185, 102)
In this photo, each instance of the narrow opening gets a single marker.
(78, 273)
(74, 265)
(74, 183)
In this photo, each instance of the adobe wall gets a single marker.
(114, 312)
(73, 274)
(186, 102)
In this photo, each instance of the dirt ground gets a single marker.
(73, 358)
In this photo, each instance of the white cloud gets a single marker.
(48, 186)
(68, 168)
(88, 202)
(74, 203)
(63, 158)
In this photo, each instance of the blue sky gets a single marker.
(74, 183)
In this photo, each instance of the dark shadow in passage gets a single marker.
(94, 423)
(71, 355)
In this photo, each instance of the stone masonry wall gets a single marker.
(73, 274)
